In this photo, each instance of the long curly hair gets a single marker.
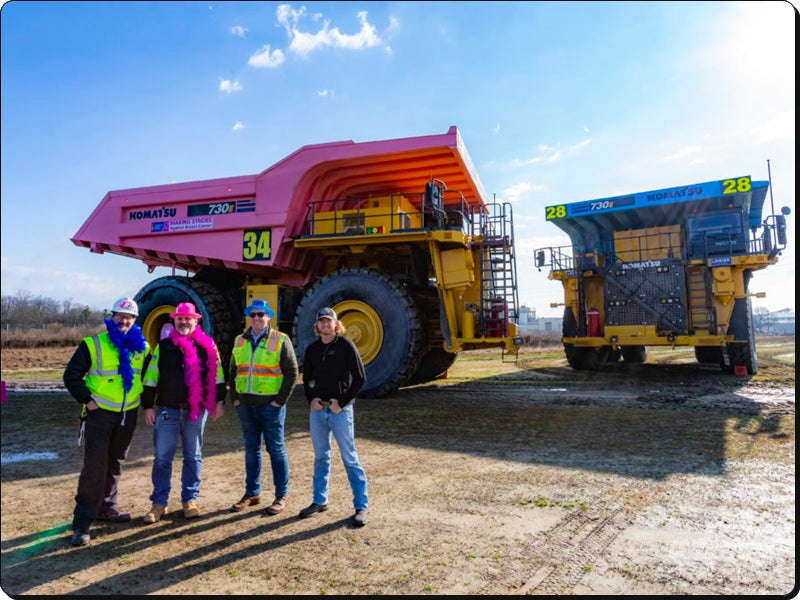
(338, 328)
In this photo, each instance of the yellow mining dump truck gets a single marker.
(669, 267)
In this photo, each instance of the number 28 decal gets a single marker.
(555, 212)
(736, 186)
(257, 244)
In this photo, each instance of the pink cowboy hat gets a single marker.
(185, 309)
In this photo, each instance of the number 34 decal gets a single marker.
(257, 244)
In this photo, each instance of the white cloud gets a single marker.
(100, 290)
(303, 43)
(682, 153)
(324, 93)
(265, 59)
(238, 31)
(517, 191)
(575, 148)
(550, 154)
(228, 86)
(238, 126)
(547, 154)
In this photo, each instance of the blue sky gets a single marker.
(556, 101)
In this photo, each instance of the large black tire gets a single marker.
(576, 357)
(597, 358)
(634, 354)
(434, 364)
(709, 354)
(587, 359)
(569, 325)
(381, 318)
(158, 299)
(742, 352)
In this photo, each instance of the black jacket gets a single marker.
(333, 370)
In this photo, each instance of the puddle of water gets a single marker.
(23, 456)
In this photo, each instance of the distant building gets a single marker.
(529, 323)
(780, 322)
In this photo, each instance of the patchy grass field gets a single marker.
(504, 478)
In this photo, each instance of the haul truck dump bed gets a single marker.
(396, 235)
(669, 267)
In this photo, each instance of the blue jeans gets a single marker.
(322, 424)
(173, 424)
(264, 423)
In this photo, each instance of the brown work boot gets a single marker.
(246, 501)
(190, 510)
(155, 514)
(277, 505)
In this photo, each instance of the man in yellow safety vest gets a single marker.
(263, 372)
(105, 376)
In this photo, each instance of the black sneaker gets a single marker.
(312, 509)
(79, 538)
(360, 518)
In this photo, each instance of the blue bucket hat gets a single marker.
(259, 305)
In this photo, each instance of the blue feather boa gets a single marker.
(126, 344)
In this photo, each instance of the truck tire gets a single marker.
(569, 325)
(576, 357)
(381, 319)
(434, 364)
(708, 354)
(742, 352)
(587, 359)
(158, 299)
(597, 358)
(634, 354)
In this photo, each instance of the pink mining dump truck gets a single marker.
(396, 235)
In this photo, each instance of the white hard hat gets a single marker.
(125, 305)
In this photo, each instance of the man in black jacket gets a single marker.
(333, 374)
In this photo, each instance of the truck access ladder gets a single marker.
(701, 311)
(493, 227)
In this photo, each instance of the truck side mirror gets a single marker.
(540, 258)
(780, 222)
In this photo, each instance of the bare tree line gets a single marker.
(29, 320)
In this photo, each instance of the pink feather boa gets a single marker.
(191, 370)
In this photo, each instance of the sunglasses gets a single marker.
(253, 315)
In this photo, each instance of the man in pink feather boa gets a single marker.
(183, 384)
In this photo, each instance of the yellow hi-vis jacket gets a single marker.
(104, 380)
(259, 372)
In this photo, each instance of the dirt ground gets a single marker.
(518, 477)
